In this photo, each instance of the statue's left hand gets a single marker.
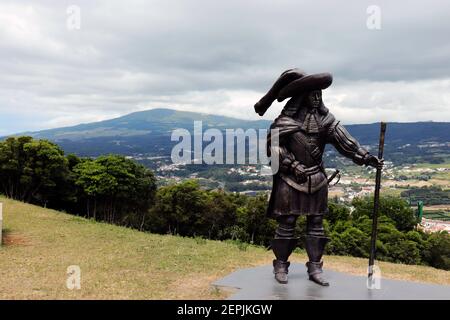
(375, 162)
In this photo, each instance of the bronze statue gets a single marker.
(300, 187)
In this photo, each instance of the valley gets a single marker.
(417, 155)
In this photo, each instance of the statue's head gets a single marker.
(314, 98)
(305, 100)
(301, 88)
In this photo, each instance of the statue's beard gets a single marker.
(295, 104)
(314, 105)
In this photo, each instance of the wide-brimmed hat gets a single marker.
(291, 83)
(318, 81)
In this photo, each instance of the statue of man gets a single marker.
(300, 187)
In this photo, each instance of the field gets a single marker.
(120, 263)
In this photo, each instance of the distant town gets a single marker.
(426, 182)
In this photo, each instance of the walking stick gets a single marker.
(376, 201)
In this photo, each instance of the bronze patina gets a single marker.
(300, 186)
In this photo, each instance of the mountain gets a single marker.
(155, 121)
(148, 132)
(144, 132)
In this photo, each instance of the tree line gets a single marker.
(432, 195)
(109, 188)
(118, 190)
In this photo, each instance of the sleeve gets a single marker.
(347, 145)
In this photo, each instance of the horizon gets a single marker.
(202, 113)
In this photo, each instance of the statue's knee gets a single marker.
(314, 225)
(286, 227)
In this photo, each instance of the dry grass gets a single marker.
(120, 263)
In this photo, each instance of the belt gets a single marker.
(313, 170)
(307, 186)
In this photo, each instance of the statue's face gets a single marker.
(314, 98)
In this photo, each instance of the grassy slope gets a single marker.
(120, 263)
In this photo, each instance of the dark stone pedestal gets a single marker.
(259, 284)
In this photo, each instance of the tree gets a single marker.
(437, 250)
(33, 171)
(351, 242)
(392, 207)
(95, 183)
(253, 218)
(220, 213)
(337, 212)
(180, 206)
(115, 189)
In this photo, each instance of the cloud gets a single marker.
(218, 57)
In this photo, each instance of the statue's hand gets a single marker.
(299, 173)
(374, 162)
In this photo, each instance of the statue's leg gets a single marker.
(315, 245)
(282, 245)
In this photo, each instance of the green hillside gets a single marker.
(120, 263)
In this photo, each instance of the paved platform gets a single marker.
(259, 284)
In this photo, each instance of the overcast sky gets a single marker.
(219, 57)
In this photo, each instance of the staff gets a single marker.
(376, 202)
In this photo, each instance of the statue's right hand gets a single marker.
(300, 174)
(375, 162)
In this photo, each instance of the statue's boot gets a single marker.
(315, 246)
(282, 248)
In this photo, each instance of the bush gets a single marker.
(437, 250)
(397, 240)
(392, 207)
